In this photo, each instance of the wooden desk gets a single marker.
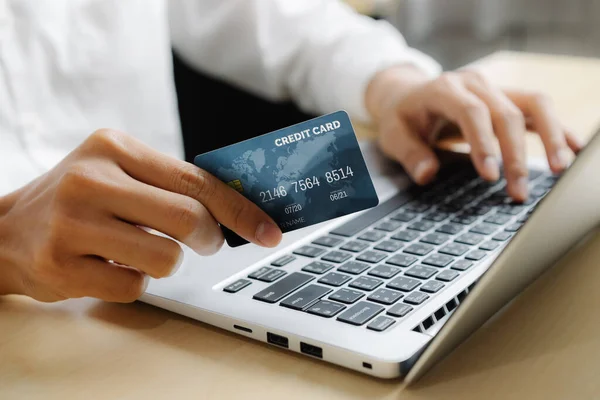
(544, 346)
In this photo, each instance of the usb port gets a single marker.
(277, 340)
(311, 350)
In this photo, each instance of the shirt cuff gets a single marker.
(372, 53)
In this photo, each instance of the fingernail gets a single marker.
(268, 234)
(562, 159)
(491, 167)
(177, 264)
(522, 187)
(146, 283)
(424, 171)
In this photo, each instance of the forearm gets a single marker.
(8, 282)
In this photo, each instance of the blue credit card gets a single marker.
(300, 175)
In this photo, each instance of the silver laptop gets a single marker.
(391, 290)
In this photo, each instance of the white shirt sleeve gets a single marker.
(319, 53)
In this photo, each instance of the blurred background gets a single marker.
(457, 32)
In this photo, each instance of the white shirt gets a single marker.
(69, 67)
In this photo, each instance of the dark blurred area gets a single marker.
(215, 114)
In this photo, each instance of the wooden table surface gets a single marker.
(546, 345)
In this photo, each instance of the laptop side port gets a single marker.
(277, 340)
(311, 350)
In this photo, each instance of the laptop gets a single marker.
(392, 290)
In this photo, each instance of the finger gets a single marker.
(574, 143)
(180, 217)
(546, 123)
(226, 205)
(510, 128)
(128, 245)
(94, 277)
(400, 143)
(449, 98)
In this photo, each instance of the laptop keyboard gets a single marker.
(382, 265)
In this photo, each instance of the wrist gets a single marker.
(389, 85)
(8, 266)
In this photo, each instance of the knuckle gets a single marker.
(193, 182)
(447, 80)
(509, 116)
(188, 216)
(79, 178)
(108, 141)
(474, 111)
(476, 76)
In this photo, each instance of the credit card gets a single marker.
(301, 175)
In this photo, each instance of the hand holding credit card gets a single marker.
(300, 175)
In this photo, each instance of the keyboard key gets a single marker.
(464, 219)
(498, 219)
(372, 236)
(502, 236)
(436, 216)
(431, 287)
(523, 219)
(404, 284)
(261, 271)
(421, 226)
(375, 214)
(346, 296)
(450, 229)
(309, 251)
(371, 256)
(384, 271)
(454, 249)
(365, 283)
(421, 272)
(385, 296)
(489, 246)
(435, 238)
(360, 313)
(478, 210)
(355, 246)
(272, 276)
(538, 192)
(418, 249)
(353, 267)
(237, 286)
(438, 260)
(305, 297)
(334, 279)
(283, 287)
(447, 275)
(513, 227)
(401, 260)
(417, 206)
(317, 267)
(476, 255)
(399, 310)
(484, 229)
(389, 226)
(469, 238)
(462, 265)
(326, 308)
(381, 323)
(511, 209)
(336, 256)
(416, 298)
(406, 236)
(328, 241)
(404, 216)
(281, 261)
(389, 245)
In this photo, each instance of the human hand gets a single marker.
(80, 229)
(407, 107)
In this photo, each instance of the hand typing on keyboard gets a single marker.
(407, 106)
